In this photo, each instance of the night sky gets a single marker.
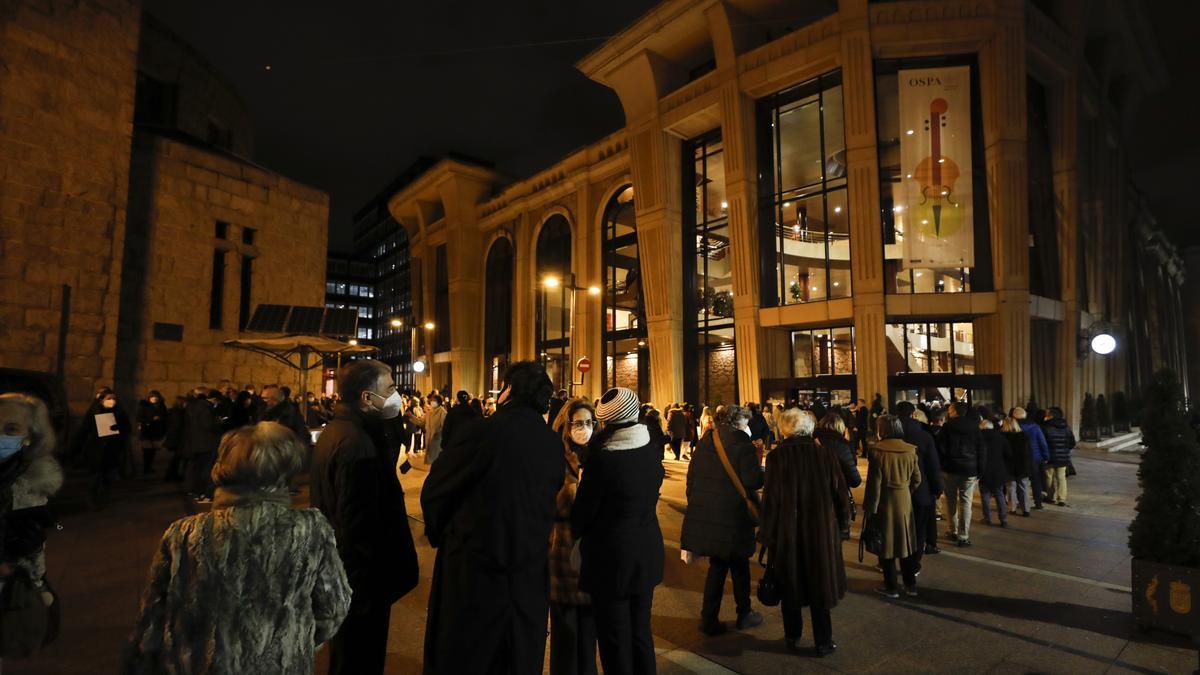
(355, 96)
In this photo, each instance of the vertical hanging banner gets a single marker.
(935, 158)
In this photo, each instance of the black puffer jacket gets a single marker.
(961, 446)
(995, 468)
(931, 486)
(717, 522)
(836, 443)
(1061, 440)
(1019, 458)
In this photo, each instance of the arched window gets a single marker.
(553, 339)
(497, 318)
(626, 354)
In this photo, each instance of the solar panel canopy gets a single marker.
(299, 320)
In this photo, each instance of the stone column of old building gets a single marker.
(1064, 106)
(464, 252)
(524, 290)
(586, 337)
(1002, 338)
(866, 229)
(656, 174)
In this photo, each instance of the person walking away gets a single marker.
(893, 471)
(621, 544)
(572, 622)
(805, 509)
(460, 415)
(489, 504)
(432, 423)
(995, 473)
(925, 495)
(760, 431)
(862, 422)
(29, 477)
(152, 428)
(252, 586)
(106, 431)
(1018, 459)
(203, 437)
(1060, 440)
(1039, 454)
(354, 484)
(962, 455)
(719, 523)
(173, 441)
(831, 434)
(678, 425)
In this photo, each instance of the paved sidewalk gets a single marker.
(1047, 595)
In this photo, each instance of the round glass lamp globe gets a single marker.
(419, 366)
(1104, 343)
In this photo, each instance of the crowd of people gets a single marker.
(541, 508)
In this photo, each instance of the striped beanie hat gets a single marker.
(618, 405)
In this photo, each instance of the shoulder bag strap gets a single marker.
(737, 482)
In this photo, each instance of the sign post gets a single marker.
(583, 365)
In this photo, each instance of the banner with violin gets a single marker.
(933, 204)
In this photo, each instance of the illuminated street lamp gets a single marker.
(397, 323)
(353, 343)
(551, 282)
(593, 290)
(429, 325)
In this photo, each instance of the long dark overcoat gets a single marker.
(489, 505)
(893, 471)
(805, 503)
(717, 522)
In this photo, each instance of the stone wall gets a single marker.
(66, 106)
(180, 192)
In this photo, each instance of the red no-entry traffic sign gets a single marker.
(583, 365)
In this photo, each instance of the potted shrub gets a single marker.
(1164, 538)
(1120, 413)
(1103, 419)
(1088, 431)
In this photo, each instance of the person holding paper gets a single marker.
(106, 429)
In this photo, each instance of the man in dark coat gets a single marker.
(861, 421)
(202, 433)
(962, 459)
(489, 505)
(556, 405)
(678, 428)
(279, 409)
(1060, 440)
(931, 488)
(457, 418)
(354, 484)
(718, 522)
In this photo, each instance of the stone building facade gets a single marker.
(758, 201)
(109, 214)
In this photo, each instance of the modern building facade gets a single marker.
(911, 199)
(137, 233)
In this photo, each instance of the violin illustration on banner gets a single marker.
(939, 213)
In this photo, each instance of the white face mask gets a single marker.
(581, 436)
(391, 405)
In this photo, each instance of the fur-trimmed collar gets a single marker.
(629, 438)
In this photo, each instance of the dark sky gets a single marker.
(356, 95)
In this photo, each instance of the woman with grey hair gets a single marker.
(252, 586)
(893, 471)
(805, 507)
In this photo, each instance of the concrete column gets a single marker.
(524, 290)
(1004, 335)
(465, 258)
(866, 228)
(1064, 108)
(587, 340)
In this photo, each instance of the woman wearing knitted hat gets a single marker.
(621, 545)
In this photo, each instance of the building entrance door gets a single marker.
(945, 388)
(830, 390)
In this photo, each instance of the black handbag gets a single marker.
(870, 539)
(845, 528)
(768, 588)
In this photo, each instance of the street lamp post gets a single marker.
(564, 285)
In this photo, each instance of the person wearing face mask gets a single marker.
(354, 484)
(29, 476)
(719, 523)
(152, 428)
(489, 507)
(106, 431)
(572, 623)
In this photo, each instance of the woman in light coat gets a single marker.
(893, 472)
(254, 586)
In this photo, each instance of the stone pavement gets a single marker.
(1050, 594)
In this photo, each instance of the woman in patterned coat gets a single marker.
(254, 586)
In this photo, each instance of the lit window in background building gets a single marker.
(823, 351)
(804, 220)
(931, 348)
(626, 351)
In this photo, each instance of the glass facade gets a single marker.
(823, 351)
(554, 302)
(931, 348)
(933, 187)
(804, 222)
(626, 353)
(710, 372)
(497, 319)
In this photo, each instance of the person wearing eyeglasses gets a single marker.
(572, 623)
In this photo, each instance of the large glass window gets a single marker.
(711, 374)
(1043, 203)
(497, 323)
(626, 354)
(823, 351)
(804, 222)
(554, 305)
(931, 348)
(933, 184)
